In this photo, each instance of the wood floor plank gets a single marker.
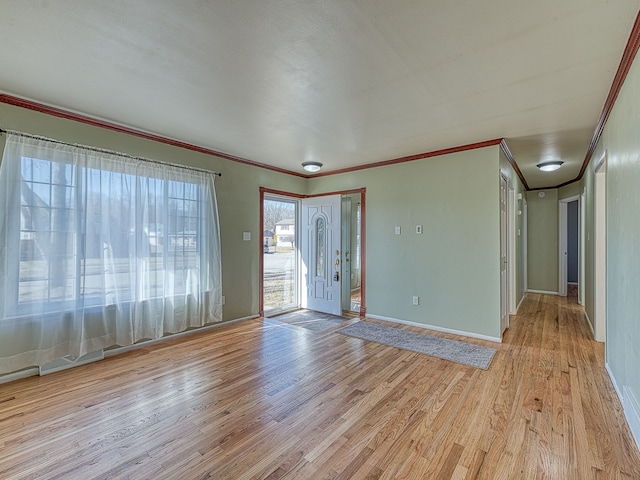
(265, 400)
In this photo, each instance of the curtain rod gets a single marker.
(110, 152)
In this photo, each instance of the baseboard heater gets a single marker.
(70, 362)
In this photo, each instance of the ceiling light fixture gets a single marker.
(312, 166)
(550, 166)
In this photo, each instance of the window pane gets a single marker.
(320, 247)
(41, 170)
(137, 238)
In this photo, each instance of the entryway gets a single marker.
(571, 251)
(312, 252)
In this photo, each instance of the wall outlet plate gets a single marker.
(418, 229)
(416, 300)
(398, 230)
(246, 236)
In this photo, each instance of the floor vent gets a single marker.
(69, 362)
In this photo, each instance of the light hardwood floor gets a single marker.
(261, 399)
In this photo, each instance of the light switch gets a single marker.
(418, 229)
(398, 231)
(246, 236)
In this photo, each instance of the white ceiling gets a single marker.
(343, 82)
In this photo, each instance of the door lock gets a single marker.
(336, 277)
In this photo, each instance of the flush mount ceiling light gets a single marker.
(312, 166)
(550, 166)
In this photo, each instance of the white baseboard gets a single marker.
(64, 363)
(630, 407)
(436, 328)
(10, 377)
(613, 380)
(544, 292)
(520, 303)
(593, 332)
(632, 413)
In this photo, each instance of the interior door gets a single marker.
(321, 254)
(504, 291)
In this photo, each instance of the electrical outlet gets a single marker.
(246, 236)
(416, 300)
(398, 230)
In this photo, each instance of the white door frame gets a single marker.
(562, 242)
(511, 249)
(525, 255)
(600, 250)
(581, 248)
(504, 253)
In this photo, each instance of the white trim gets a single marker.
(436, 328)
(582, 215)
(572, 283)
(629, 406)
(10, 377)
(613, 381)
(544, 292)
(520, 303)
(632, 413)
(563, 242)
(562, 248)
(593, 333)
(67, 362)
(525, 246)
(600, 252)
(511, 249)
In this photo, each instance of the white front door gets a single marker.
(321, 254)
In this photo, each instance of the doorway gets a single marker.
(504, 260)
(280, 271)
(303, 263)
(569, 260)
(351, 252)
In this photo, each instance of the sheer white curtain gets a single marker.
(98, 249)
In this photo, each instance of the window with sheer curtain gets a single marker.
(99, 249)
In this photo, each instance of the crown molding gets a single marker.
(628, 57)
(96, 122)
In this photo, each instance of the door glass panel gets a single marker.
(320, 247)
(280, 275)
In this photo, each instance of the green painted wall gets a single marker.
(454, 265)
(237, 192)
(542, 241)
(621, 142)
(570, 190)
